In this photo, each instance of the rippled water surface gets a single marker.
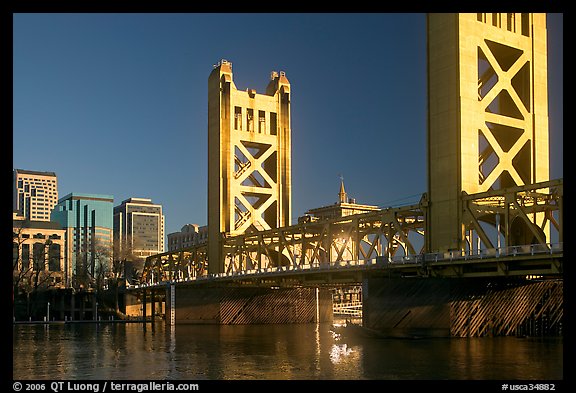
(307, 351)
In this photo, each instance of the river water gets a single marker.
(127, 351)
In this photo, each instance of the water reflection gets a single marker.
(339, 352)
(307, 351)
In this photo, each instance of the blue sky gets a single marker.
(117, 103)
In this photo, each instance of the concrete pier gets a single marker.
(247, 305)
(462, 307)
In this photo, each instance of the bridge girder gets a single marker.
(389, 233)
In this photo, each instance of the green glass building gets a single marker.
(87, 219)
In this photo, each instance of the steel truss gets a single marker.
(522, 215)
(390, 233)
(385, 233)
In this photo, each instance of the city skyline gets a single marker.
(117, 103)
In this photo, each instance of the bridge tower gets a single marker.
(249, 159)
(487, 114)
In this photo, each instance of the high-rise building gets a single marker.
(87, 219)
(35, 194)
(138, 228)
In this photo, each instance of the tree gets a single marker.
(33, 274)
(126, 263)
(20, 269)
(30, 275)
(81, 279)
(101, 264)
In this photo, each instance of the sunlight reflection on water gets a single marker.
(305, 351)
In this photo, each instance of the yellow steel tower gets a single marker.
(249, 159)
(487, 112)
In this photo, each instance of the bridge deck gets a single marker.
(532, 260)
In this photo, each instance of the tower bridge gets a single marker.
(391, 235)
(454, 264)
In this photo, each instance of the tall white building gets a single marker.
(35, 194)
(139, 227)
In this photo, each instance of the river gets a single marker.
(127, 351)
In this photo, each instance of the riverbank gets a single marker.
(82, 321)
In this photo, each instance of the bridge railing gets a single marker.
(497, 252)
(353, 309)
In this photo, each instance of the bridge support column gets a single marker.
(407, 307)
(462, 307)
(170, 304)
(249, 305)
(152, 305)
(144, 305)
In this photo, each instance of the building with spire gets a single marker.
(344, 207)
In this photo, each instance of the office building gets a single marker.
(138, 228)
(38, 253)
(189, 236)
(87, 221)
(35, 194)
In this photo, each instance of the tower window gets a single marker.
(273, 123)
(261, 122)
(250, 119)
(496, 19)
(237, 118)
(525, 20)
(511, 22)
